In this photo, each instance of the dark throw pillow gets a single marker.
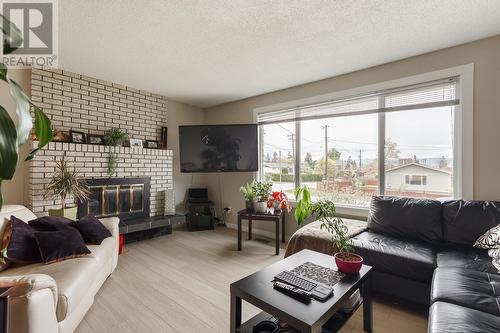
(51, 223)
(60, 245)
(22, 246)
(92, 230)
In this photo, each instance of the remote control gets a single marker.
(292, 291)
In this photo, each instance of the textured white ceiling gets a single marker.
(209, 52)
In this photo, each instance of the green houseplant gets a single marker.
(66, 182)
(114, 137)
(249, 194)
(13, 134)
(262, 192)
(325, 212)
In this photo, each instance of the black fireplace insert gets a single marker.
(127, 198)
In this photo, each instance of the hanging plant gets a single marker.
(114, 137)
(12, 136)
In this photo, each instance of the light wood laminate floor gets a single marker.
(180, 283)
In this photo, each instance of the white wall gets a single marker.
(182, 114)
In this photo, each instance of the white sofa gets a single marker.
(55, 297)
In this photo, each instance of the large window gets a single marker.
(397, 142)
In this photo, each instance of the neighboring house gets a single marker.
(278, 167)
(416, 177)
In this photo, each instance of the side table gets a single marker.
(277, 217)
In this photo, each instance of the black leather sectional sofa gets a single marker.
(422, 250)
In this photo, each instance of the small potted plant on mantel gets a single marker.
(66, 182)
(325, 212)
(112, 138)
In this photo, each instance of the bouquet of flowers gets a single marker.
(279, 200)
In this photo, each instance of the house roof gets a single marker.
(420, 166)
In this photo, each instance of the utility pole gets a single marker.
(292, 137)
(326, 151)
(280, 164)
(360, 159)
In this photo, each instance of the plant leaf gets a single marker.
(12, 37)
(24, 120)
(43, 131)
(8, 145)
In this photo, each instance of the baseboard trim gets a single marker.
(256, 231)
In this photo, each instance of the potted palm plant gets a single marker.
(262, 192)
(249, 194)
(66, 182)
(325, 212)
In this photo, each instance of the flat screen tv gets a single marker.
(218, 148)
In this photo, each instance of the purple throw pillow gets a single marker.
(92, 230)
(60, 245)
(22, 246)
(51, 223)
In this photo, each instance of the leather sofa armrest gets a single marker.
(111, 223)
(32, 303)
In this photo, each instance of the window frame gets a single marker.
(463, 128)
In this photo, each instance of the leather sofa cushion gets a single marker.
(409, 218)
(408, 259)
(474, 259)
(472, 289)
(73, 277)
(451, 318)
(465, 221)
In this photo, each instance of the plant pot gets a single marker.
(261, 207)
(250, 206)
(347, 262)
(69, 213)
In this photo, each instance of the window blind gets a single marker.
(422, 96)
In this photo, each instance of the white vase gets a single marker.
(261, 207)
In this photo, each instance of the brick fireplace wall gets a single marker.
(91, 161)
(77, 102)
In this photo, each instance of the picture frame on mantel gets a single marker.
(151, 144)
(77, 137)
(136, 143)
(95, 139)
(163, 138)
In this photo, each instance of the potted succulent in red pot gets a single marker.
(325, 211)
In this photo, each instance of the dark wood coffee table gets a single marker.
(258, 290)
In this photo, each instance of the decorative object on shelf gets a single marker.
(250, 196)
(278, 201)
(95, 139)
(64, 183)
(325, 211)
(163, 138)
(77, 137)
(15, 133)
(114, 137)
(152, 144)
(262, 191)
(136, 143)
(60, 136)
